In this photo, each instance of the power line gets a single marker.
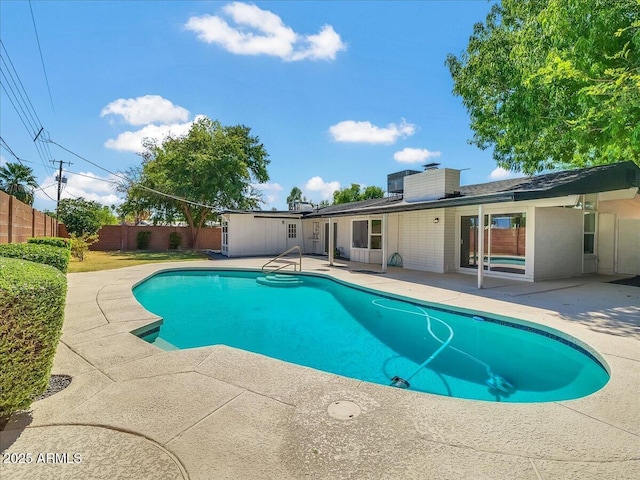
(23, 106)
(41, 57)
(131, 182)
(8, 148)
(6, 54)
(91, 176)
(22, 118)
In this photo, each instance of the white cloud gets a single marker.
(85, 184)
(275, 187)
(323, 46)
(2, 160)
(261, 32)
(326, 189)
(414, 155)
(366, 132)
(502, 174)
(145, 110)
(132, 141)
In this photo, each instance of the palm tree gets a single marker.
(18, 180)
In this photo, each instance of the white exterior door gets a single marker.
(293, 234)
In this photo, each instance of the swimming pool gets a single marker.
(326, 324)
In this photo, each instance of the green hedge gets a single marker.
(143, 239)
(53, 241)
(175, 240)
(32, 299)
(54, 256)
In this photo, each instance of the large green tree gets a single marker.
(137, 205)
(554, 83)
(354, 194)
(84, 217)
(211, 168)
(18, 180)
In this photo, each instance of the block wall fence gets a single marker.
(123, 237)
(18, 222)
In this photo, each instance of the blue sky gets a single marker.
(339, 92)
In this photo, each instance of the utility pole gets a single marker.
(60, 179)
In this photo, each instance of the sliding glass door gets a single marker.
(504, 242)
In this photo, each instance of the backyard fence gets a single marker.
(19, 221)
(124, 237)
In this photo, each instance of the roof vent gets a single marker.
(431, 166)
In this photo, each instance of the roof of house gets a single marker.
(266, 213)
(582, 181)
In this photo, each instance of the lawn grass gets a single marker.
(95, 261)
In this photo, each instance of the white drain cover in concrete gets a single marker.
(343, 410)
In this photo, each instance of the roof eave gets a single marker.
(443, 203)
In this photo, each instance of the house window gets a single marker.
(589, 204)
(376, 234)
(367, 234)
(360, 237)
(589, 232)
(293, 232)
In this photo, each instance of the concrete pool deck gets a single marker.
(134, 411)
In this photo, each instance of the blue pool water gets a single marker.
(371, 336)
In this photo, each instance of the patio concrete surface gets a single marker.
(134, 411)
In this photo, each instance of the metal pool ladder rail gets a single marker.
(297, 265)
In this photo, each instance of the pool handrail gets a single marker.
(297, 266)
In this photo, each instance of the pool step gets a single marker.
(279, 280)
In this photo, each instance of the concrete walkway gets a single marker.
(133, 411)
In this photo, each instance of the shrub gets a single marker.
(142, 240)
(53, 241)
(32, 299)
(80, 245)
(175, 240)
(47, 254)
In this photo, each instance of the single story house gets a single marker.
(555, 225)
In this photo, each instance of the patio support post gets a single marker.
(480, 246)
(385, 218)
(331, 245)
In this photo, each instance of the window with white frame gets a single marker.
(589, 204)
(293, 230)
(367, 234)
(589, 232)
(376, 235)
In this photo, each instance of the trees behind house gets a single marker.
(294, 196)
(137, 206)
(18, 180)
(84, 217)
(355, 194)
(551, 83)
(210, 168)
